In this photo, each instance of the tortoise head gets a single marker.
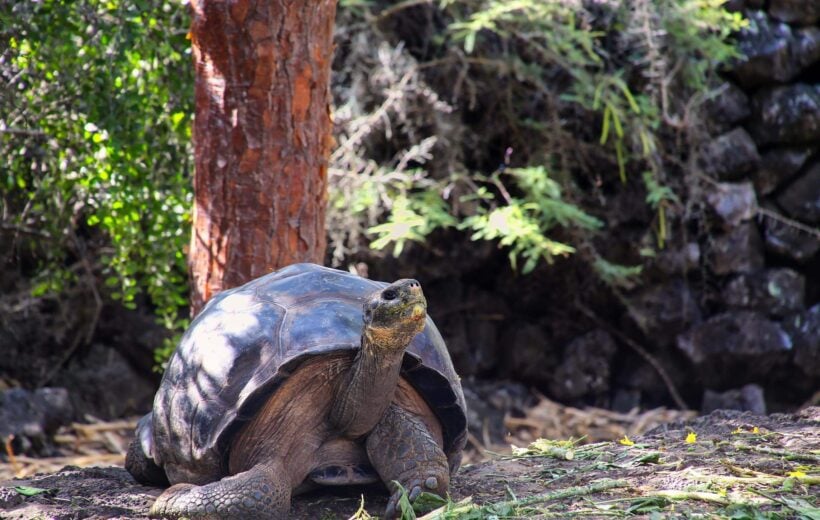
(395, 314)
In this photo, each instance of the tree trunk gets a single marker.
(262, 136)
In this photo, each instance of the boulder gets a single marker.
(767, 47)
(776, 292)
(104, 384)
(806, 47)
(32, 417)
(804, 329)
(740, 250)
(489, 402)
(797, 12)
(735, 347)
(472, 337)
(727, 109)
(729, 156)
(788, 114)
(748, 398)
(732, 203)
(801, 198)
(778, 165)
(663, 311)
(584, 370)
(528, 354)
(787, 240)
(676, 261)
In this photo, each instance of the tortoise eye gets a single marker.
(389, 294)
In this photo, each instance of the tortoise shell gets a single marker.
(247, 340)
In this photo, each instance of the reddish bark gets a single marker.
(262, 136)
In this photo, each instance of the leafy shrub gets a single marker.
(553, 83)
(96, 117)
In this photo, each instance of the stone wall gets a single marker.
(727, 314)
(765, 202)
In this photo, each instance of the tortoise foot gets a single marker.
(403, 451)
(432, 481)
(259, 493)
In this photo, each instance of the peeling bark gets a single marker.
(262, 137)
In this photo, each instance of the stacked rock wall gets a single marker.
(728, 312)
(765, 161)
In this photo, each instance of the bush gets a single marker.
(96, 111)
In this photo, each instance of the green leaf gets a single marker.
(31, 491)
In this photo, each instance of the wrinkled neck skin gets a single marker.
(365, 393)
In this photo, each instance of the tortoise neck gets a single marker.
(367, 390)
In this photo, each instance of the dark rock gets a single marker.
(528, 354)
(728, 108)
(32, 417)
(801, 198)
(806, 46)
(767, 46)
(472, 343)
(804, 329)
(105, 385)
(9, 498)
(778, 165)
(735, 347)
(626, 400)
(468, 317)
(738, 251)
(489, 402)
(748, 398)
(785, 239)
(584, 371)
(798, 12)
(729, 156)
(788, 114)
(677, 261)
(732, 202)
(777, 292)
(664, 311)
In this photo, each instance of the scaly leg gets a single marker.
(262, 492)
(402, 449)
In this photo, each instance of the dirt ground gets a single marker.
(723, 465)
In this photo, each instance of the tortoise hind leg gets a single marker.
(262, 492)
(403, 449)
(142, 468)
(138, 462)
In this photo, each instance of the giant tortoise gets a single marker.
(306, 376)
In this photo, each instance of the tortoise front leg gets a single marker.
(402, 449)
(262, 492)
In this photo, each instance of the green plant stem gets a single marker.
(595, 487)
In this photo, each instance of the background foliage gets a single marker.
(511, 120)
(95, 133)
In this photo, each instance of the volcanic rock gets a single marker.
(798, 12)
(729, 156)
(778, 165)
(801, 198)
(733, 203)
(788, 114)
(738, 251)
(584, 371)
(748, 398)
(663, 311)
(777, 292)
